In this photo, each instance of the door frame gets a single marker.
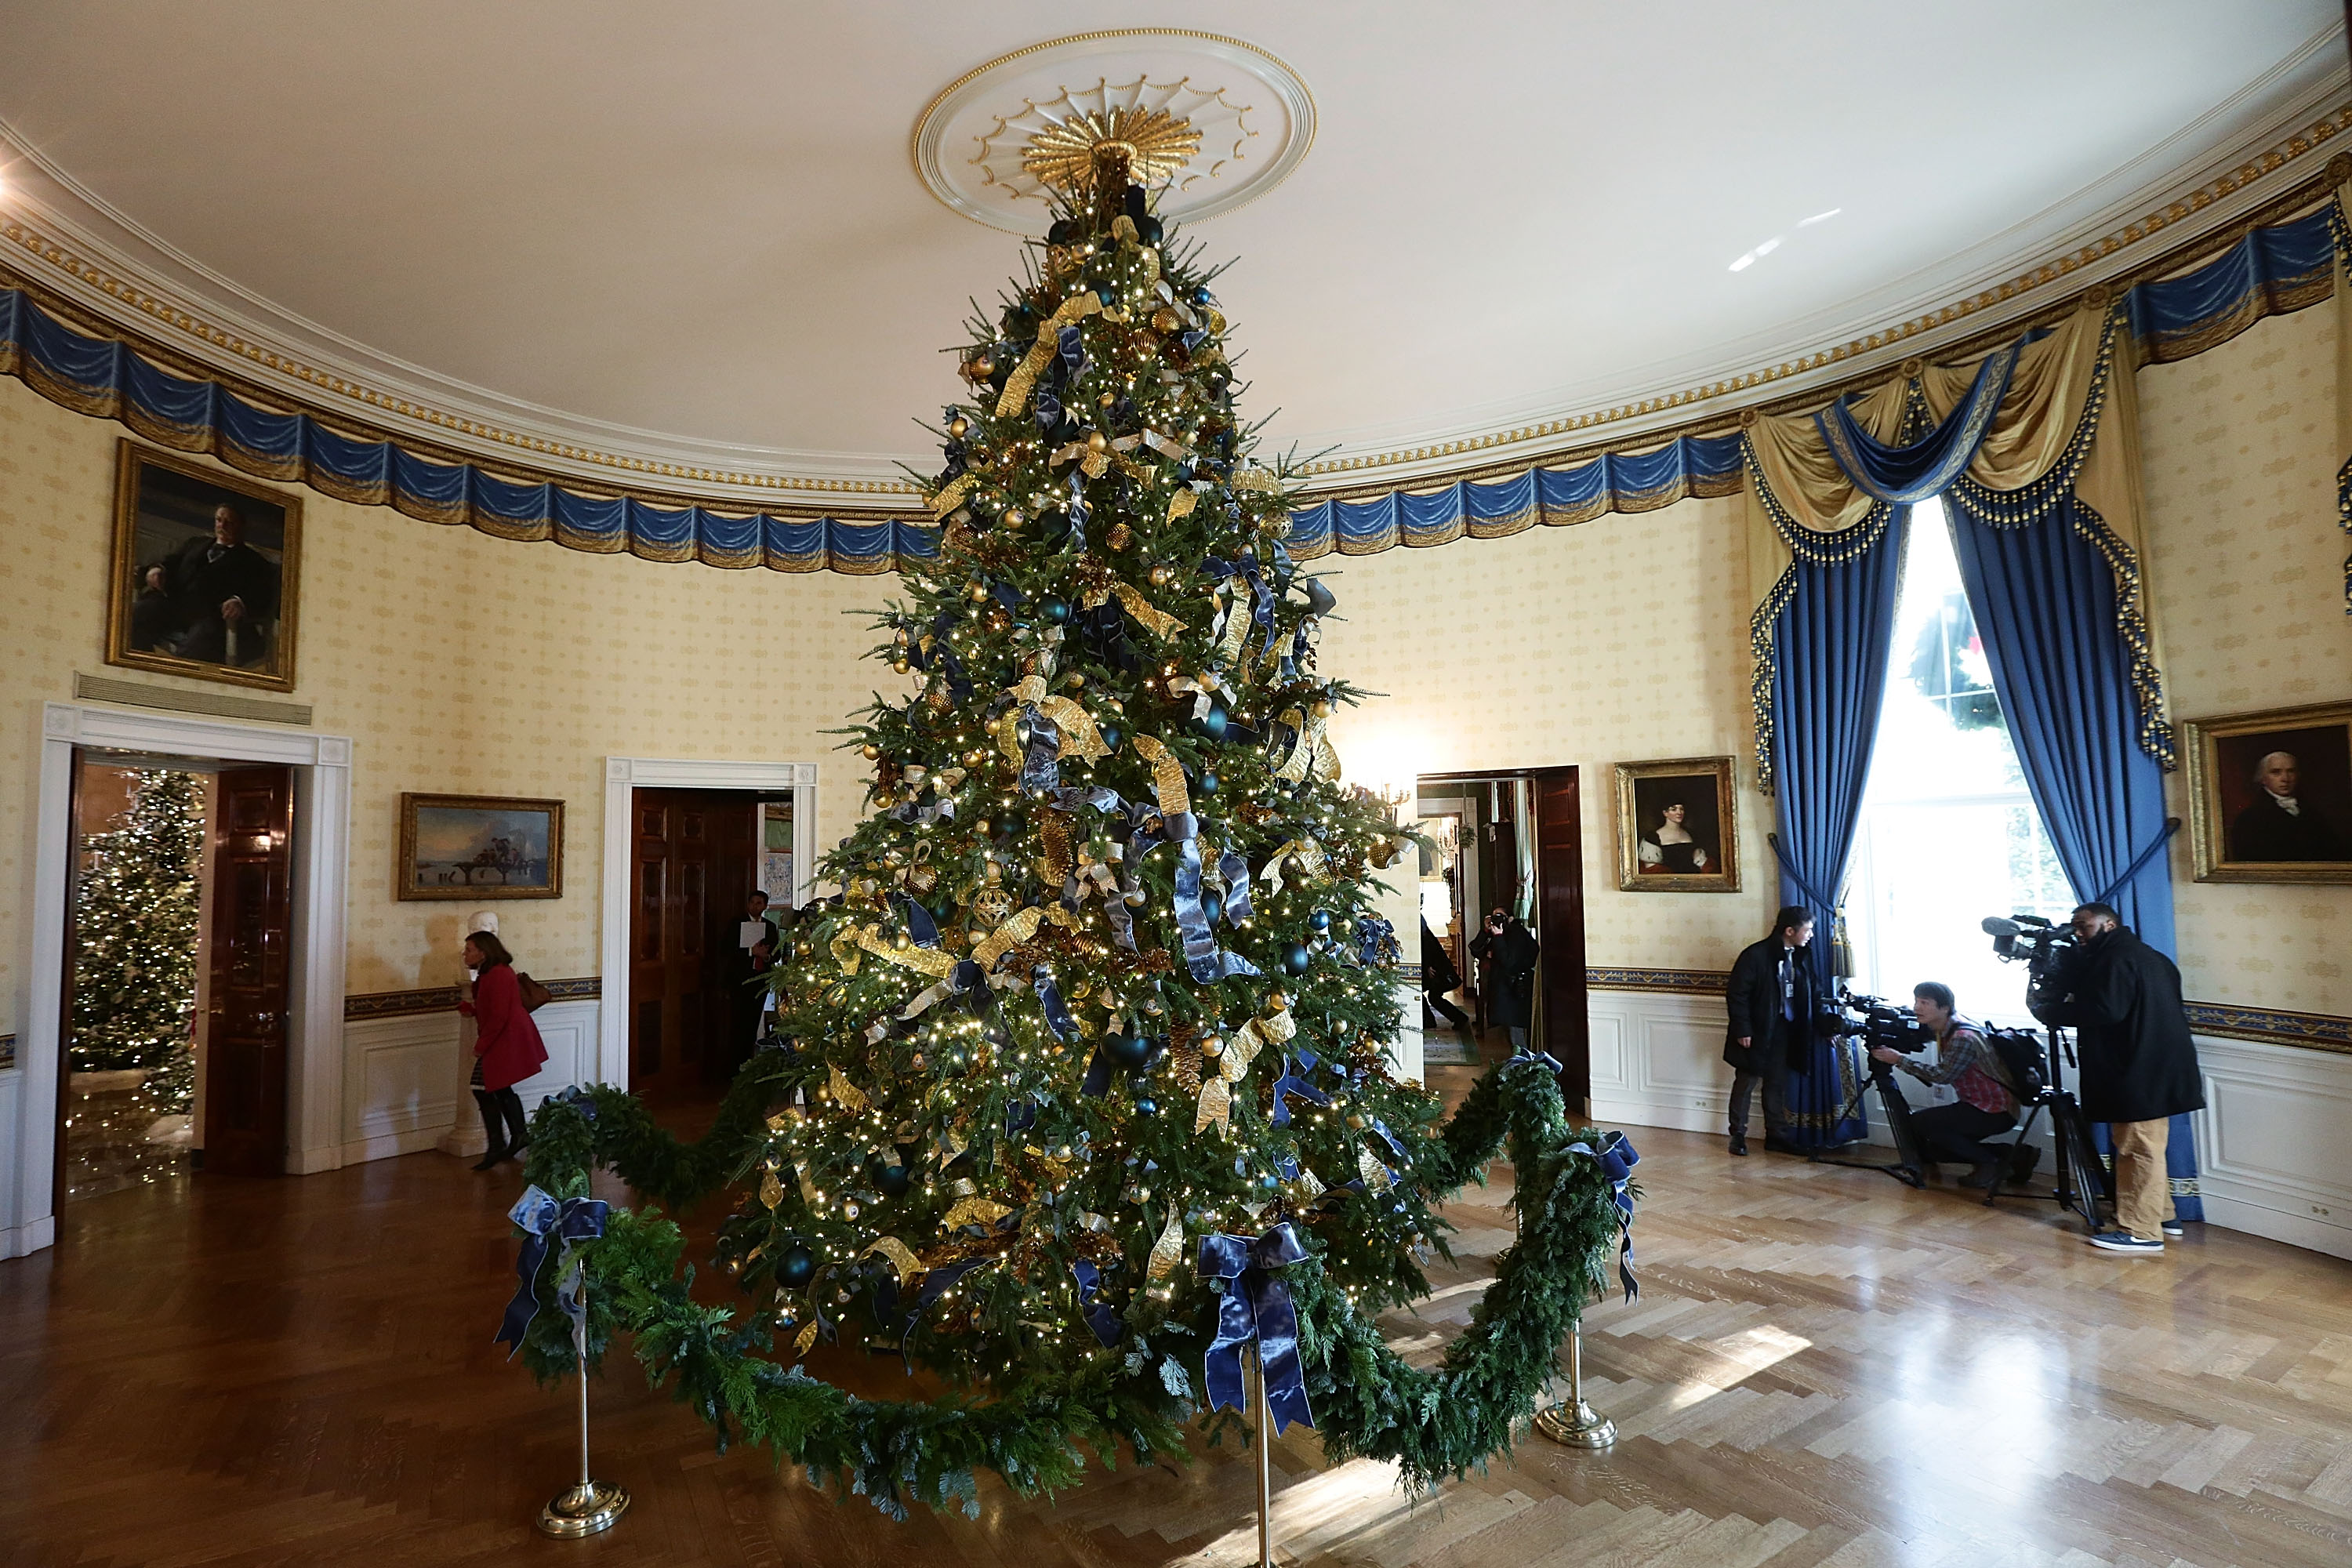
(323, 810)
(623, 776)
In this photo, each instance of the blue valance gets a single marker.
(104, 377)
(1616, 482)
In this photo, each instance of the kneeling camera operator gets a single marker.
(1986, 1107)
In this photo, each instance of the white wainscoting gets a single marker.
(2273, 1153)
(2276, 1160)
(407, 1077)
(20, 1233)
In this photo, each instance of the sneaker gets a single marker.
(2125, 1241)
(2171, 1227)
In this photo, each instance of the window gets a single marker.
(1948, 833)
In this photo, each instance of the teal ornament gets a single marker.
(1057, 610)
(1108, 293)
(1111, 735)
(795, 1266)
(1320, 920)
(1216, 721)
(1128, 1050)
(1212, 907)
(1209, 783)
(1200, 296)
(894, 1181)
(1147, 1106)
(1295, 958)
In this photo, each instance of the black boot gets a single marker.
(1739, 1139)
(518, 1129)
(491, 1129)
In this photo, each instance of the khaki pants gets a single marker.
(2142, 1192)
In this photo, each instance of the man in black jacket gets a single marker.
(2122, 998)
(193, 601)
(1771, 1003)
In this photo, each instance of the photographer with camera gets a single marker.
(1771, 1006)
(1986, 1107)
(2122, 998)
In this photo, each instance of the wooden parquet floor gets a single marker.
(1825, 1371)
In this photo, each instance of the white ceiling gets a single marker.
(700, 219)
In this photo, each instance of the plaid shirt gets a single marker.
(1968, 1064)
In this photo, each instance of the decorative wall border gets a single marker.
(1678, 982)
(443, 998)
(7, 1052)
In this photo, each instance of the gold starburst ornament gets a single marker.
(1157, 145)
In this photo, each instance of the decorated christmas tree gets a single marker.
(1081, 1096)
(136, 905)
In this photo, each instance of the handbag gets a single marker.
(534, 995)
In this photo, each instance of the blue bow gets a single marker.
(537, 1216)
(1291, 1083)
(1617, 1159)
(1256, 1307)
(1049, 1001)
(1101, 1316)
(1525, 1056)
(1376, 942)
(577, 1098)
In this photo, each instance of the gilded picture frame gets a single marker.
(1677, 827)
(205, 575)
(478, 846)
(2270, 795)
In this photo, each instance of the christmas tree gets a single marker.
(1081, 1086)
(136, 906)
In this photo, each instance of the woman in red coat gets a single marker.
(506, 1046)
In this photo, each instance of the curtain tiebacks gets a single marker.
(2171, 826)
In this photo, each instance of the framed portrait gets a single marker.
(2270, 795)
(479, 847)
(205, 570)
(1677, 831)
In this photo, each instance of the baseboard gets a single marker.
(385, 1146)
(2295, 1229)
(22, 1240)
(1635, 1113)
(310, 1162)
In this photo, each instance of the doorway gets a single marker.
(696, 855)
(1513, 840)
(177, 938)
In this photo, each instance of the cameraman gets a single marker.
(2122, 998)
(1985, 1108)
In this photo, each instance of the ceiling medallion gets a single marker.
(1209, 122)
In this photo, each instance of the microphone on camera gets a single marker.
(1995, 925)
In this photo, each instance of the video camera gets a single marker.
(1871, 1022)
(2027, 939)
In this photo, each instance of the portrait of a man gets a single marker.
(2272, 796)
(203, 572)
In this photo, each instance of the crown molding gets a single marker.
(2153, 214)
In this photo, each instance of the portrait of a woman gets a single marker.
(1668, 847)
(1677, 828)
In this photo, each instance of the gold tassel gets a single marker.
(1057, 846)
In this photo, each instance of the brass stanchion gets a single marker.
(592, 1505)
(1264, 1465)
(1576, 1424)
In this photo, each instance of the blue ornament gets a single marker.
(1057, 610)
(1209, 783)
(1212, 905)
(894, 1181)
(1108, 293)
(1128, 1050)
(1111, 735)
(1147, 1106)
(1320, 920)
(1200, 296)
(1295, 958)
(1215, 721)
(795, 1266)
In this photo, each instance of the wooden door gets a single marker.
(252, 937)
(692, 861)
(1559, 892)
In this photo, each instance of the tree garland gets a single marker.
(1368, 1402)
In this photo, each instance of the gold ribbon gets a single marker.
(771, 1190)
(1167, 775)
(974, 1211)
(1313, 866)
(848, 1095)
(1151, 617)
(1238, 621)
(1313, 748)
(1181, 503)
(1023, 379)
(931, 961)
(1375, 1175)
(1056, 832)
(1216, 1106)
(1169, 1250)
(901, 1257)
(951, 494)
(1019, 927)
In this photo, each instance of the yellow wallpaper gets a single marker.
(1620, 640)
(456, 663)
(2245, 561)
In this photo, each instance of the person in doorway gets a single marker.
(1985, 1108)
(2122, 998)
(2278, 826)
(1510, 952)
(1438, 977)
(1769, 1004)
(506, 1046)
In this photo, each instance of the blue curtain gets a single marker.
(1829, 673)
(2044, 597)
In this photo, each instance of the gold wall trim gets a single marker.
(179, 700)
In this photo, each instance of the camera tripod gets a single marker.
(2079, 1179)
(1906, 1167)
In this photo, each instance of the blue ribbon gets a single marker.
(1233, 867)
(577, 1098)
(1291, 1083)
(921, 929)
(1077, 543)
(1256, 1306)
(1617, 1159)
(1101, 1316)
(1039, 769)
(1524, 1056)
(538, 1216)
(1049, 1001)
(1376, 941)
(1070, 347)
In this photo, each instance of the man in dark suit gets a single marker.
(2139, 1063)
(2278, 826)
(195, 599)
(1770, 1004)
